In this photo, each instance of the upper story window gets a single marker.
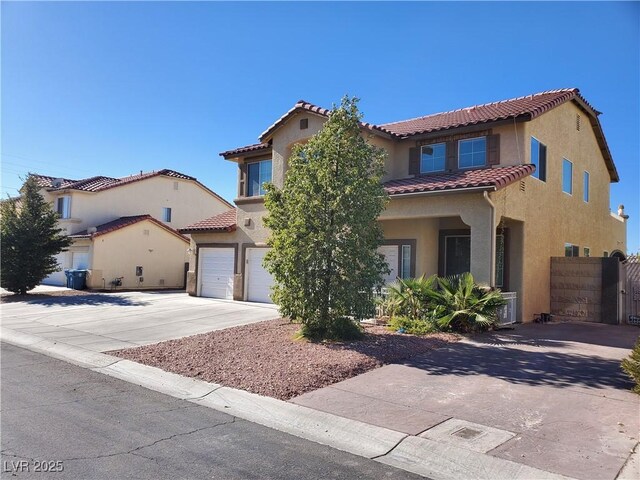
(166, 214)
(585, 187)
(567, 176)
(472, 152)
(258, 173)
(63, 206)
(571, 250)
(432, 158)
(539, 159)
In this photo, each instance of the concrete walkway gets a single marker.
(549, 396)
(107, 321)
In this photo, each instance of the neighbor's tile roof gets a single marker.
(98, 183)
(491, 178)
(530, 106)
(223, 222)
(123, 222)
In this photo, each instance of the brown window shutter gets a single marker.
(452, 155)
(414, 161)
(493, 149)
(242, 189)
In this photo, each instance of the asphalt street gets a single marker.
(60, 421)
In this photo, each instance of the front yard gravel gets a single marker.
(263, 358)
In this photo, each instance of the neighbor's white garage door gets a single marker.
(59, 278)
(215, 272)
(390, 253)
(259, 281)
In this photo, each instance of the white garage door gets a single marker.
(390, 253)
(215, 272)
(259, 281)
(80, 260)
(58, 278)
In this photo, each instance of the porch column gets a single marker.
(483, 245)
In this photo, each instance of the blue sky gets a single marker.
(115, 88)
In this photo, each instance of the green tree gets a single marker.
(30, 239)
(324, 229)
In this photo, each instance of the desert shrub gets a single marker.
(631, 366)
(414, 326)
(463, 306)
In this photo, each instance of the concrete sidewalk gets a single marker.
(108, 321)
(549, 396)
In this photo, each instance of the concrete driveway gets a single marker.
(107, 321)
(548, 396)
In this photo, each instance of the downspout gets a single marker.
(492, 236)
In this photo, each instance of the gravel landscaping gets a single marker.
(263, 358)
(12, 297)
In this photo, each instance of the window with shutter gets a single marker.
(539, 159)
(472, 152)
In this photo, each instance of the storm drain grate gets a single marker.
(467, 433)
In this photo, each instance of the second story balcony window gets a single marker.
(63, 206)
(258, 173)
(472, 153)
(432, 158)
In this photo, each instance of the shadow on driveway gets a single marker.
(52, 300)
(558, 355)
(556, 369)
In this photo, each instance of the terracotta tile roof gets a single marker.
(256, 147)
(223, 222)
(491, 178)
(99, 183)
(530, 106)
(516, 109)
(302, 105)
(123, 222)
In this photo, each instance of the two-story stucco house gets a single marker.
(127, 227)
(495, 189)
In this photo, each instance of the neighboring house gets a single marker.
(127, 227)
(495, 189)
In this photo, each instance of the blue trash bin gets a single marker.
(76, 279)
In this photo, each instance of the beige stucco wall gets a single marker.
(189, 203)
(161, 254)
(425, 231)
(552, 217)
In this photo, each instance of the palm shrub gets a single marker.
(464, 306)
(411, 297)
(631, 366)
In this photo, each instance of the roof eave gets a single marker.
(207, 230)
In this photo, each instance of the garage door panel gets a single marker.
(259, 280)
(216, 272)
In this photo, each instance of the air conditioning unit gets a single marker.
(57, 183)
(92, 230)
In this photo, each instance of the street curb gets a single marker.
(418, 455)
(631, 469)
